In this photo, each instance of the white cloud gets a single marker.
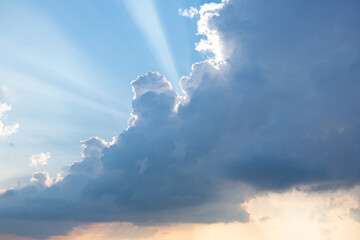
(41, 179)
(4, 107)
(212, 42)
(150, 83)
(190, 12)
(39, 159)
(10, 129)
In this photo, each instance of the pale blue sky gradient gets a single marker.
(68, 67)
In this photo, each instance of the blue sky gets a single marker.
(68, 67)
(174, 120)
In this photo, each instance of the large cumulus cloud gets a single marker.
(297, 69)
(276, 106)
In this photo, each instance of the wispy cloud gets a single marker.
(190, 12)
(4, 107)
(8, 130)
(39, 159)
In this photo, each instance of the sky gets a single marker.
(195, 120)
(68, 66)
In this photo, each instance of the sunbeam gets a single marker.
(145, 16)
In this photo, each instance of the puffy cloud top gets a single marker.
(41, 179)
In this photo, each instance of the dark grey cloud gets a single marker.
(282, 112)
(298, 80)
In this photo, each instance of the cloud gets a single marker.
(41, 179)
(190, 12)
(355, 213)
(39, 159)
(296, 117)
(113, 230)
(323, 215)
(13, 237)
(275, 107)
(4, 108)
(10, 129)
(211, 43)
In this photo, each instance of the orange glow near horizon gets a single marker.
(293, 215)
